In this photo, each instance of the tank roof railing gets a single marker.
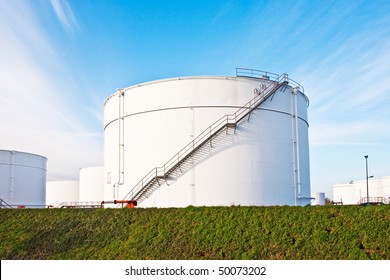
(259, 74)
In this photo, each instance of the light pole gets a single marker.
(367, 176)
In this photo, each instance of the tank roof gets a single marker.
(178, 79)
(19, 152)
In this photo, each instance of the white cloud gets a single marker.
(35, 113)
(356, 72)
(348, 91)
(65, 14)
(352, 132)
(349, 114)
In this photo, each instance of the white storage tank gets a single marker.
(386, 188)
(62, 192)
(346, 194)
(356, 191)
(91, 184)
(263, 160)
(22, 178)
(318, 198)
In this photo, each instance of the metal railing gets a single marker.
(137, 192)
(259, 74)
(4, 204)
(373, 200)
(80, 204)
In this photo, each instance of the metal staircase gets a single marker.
(196, 149)
(4, 204)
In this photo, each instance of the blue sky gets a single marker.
(59, 60)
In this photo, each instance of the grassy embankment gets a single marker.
(330, 232)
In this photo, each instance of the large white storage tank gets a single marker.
(263, 161)
(62, 192)
(91, 184)
(22, 178)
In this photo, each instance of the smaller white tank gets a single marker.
(91, 184)
(319, 198)
(58, 192)
(22, 178)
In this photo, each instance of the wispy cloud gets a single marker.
(351, 78)
(348, 90)
(65, 14)
(35, 113)
(331, 132)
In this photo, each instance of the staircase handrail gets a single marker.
(160, 172)
(4, 204)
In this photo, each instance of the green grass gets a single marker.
(280, 232)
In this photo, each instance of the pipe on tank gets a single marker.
(11, 190)
(295, 92)
(293, 143)
(121, 142)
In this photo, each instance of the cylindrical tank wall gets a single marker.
(386, 187)
(91, 184)
(319, 198)
(22, 178)
(58, 192)
(346, 194)
(149, 123)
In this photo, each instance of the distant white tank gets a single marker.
(22, 178)
(319, 198)
(264, 160)
(355, 192)
(62, 192)
(91, 184)
(386, 188)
